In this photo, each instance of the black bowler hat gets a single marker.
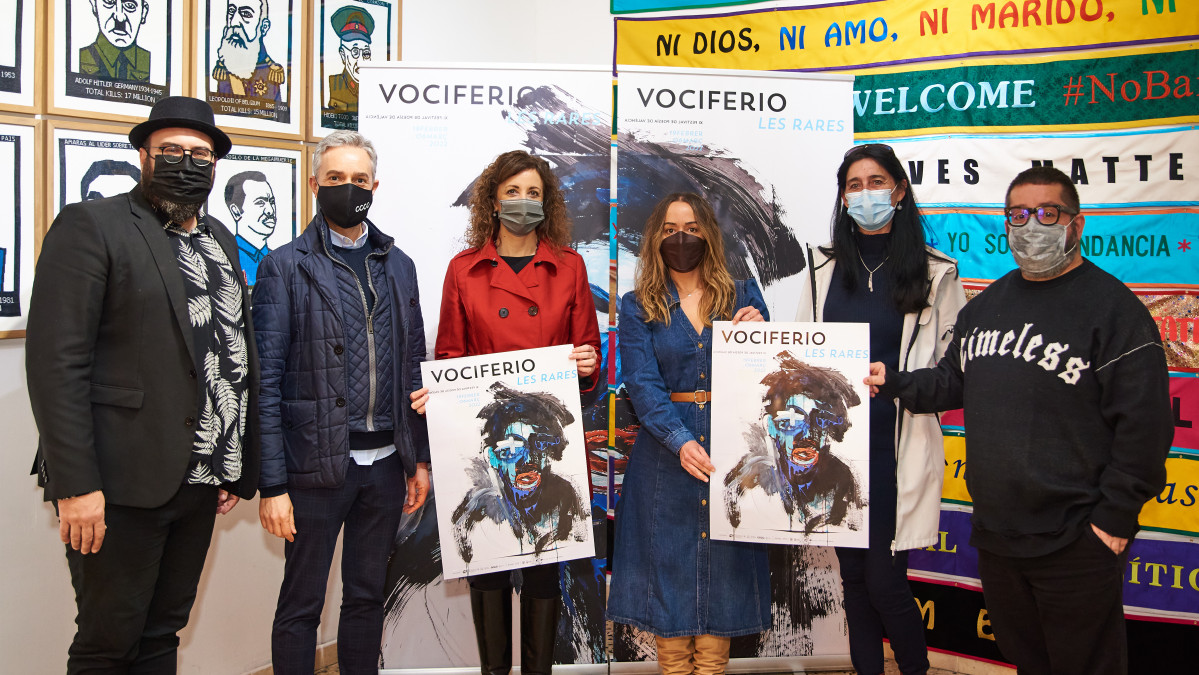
(185, 112)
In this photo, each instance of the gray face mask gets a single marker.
(521, 216)
(1038, 248)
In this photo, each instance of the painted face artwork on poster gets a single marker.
(16, 227)
(92, 165)
(249, 63)
(256, 193)
(790, 433)
(512, 481)
(116, 57)
(348, 34)
(17, 54)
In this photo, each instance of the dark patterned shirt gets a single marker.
(214, 307)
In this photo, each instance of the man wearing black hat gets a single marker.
(142, 367)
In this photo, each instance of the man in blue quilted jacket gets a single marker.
(340, 343)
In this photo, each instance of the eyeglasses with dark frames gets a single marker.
(173, 154)
(1049, 214)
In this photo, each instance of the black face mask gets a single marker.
(683, 251)
(344, 205)
(182, 183)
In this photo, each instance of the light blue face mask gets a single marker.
(871, 209)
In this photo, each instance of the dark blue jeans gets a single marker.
(369, 504)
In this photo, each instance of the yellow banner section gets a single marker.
(954, 489)
(1176, 509)
(880, 33)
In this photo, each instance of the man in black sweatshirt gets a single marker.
(1063, 381)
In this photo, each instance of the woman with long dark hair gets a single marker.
(879, 270)
(668, 577)
(518, 286)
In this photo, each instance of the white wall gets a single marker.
(229, 632)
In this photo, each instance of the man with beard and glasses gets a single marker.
(251, 202)
(243, 67)
(114, 54)
(515, 486)
(1060, 372)
(806, 410)
(354, 25)
(142, 375)
(341, 339)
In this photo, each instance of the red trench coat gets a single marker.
(488, 308)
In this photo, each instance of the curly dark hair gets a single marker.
(826, 385)
(538, 408)
(485, 223)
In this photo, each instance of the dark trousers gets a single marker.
(136, 593)
(539, 581)
(1060, 613)
(369, 503)
(878, 604)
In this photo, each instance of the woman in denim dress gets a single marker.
(668, 576)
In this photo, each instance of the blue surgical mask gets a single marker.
(871, 209)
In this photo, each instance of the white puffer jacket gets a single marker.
(920, 453)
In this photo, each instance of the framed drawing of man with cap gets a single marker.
(248, 65)
(349, 34)
(115, 57)
(16, 56)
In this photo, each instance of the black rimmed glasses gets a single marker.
(1017, 216)
(173, 154)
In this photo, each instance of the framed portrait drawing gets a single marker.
(258, 192)
(18, 222)
(90, 161)
(115, 57)
(347, 34)
(17, 67)
(248, 64)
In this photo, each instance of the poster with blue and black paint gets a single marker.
(790, 433)
(16, 227)
(511, 464)
(436, 127)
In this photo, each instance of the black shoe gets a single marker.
(538, 632)
(492, 612)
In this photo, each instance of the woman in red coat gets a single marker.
(518, 286)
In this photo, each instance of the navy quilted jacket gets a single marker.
(302, 349)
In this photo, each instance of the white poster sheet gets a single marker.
(763, 148)
(510, 468)
(791, 433)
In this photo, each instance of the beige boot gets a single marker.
(711, 654)
(674, 654)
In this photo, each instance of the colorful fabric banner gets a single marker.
(633, 6)
(1115, 169)
(1156, 247)
(1046, 93)
(863, 34)
(1161, 577)
(1177, 315)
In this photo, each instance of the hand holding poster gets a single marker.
(510, 465)
(790, 434)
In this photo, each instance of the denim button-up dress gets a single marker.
(668, 576)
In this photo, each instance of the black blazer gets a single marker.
(110, 360)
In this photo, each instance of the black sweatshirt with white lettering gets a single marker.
(1067, 408)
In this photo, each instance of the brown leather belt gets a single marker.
(700, 397)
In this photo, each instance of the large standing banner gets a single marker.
(436, 127)
(763, 148)
(791, 433)
(512, 467)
